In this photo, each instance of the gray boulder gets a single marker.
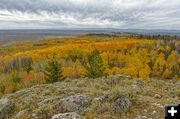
(73, 103)
(71, 115)
(121, 105)
(6, 108)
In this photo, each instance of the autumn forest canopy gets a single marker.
(23, 64)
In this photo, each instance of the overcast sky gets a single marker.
(59, 14)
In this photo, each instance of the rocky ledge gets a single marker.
(113, 97)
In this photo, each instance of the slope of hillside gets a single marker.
(114, 97)
(142, 75)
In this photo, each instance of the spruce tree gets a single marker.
(53, 71)
(94, 65)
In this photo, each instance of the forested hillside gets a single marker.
(24, 64)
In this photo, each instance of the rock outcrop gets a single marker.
(121, 105)
(91, 98)
(71, 115)
(6, 108)
(73, 103)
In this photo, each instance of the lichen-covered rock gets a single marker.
(157, 96)
(6, 108)
(71, 115)
(121, 105)
(20, 114)
(99, 99)
(73, 103)
(138, 117)
(154, 115)
(92, 101)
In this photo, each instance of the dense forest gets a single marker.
(27, 63)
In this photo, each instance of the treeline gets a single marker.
(137, 36)
(158, 37)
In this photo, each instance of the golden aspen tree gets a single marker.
(159, 65)
(145, 72)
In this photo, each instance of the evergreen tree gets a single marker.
(94, 65)
(53, 71)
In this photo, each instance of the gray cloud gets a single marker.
(161, 14)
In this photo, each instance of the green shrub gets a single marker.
(94, 65)
(53, 71)
(15, 78)
(129, 92)
(16, 86)
(2, 88)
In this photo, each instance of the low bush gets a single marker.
(124, 92)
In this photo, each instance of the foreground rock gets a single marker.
(73, 103)
(71, 115)
(157, 96)
(6, 108)
(92, 98)
(121, 105)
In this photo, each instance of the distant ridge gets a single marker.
(20, 34)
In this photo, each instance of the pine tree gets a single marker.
(94, 65)
(53, 71)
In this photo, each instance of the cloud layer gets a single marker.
(123, 14)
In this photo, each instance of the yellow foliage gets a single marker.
(159, 65)
(116, 70)
(61, 50)
(68, 71)
(145, 72)
(172, 60)
(107, 71)
(166, 74)
(131, 70)
(74, 72)
(79, 69)
(135, 57)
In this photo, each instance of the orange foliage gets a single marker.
(135, 57)
(32, 78)
(74, 72)
(9, 88)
